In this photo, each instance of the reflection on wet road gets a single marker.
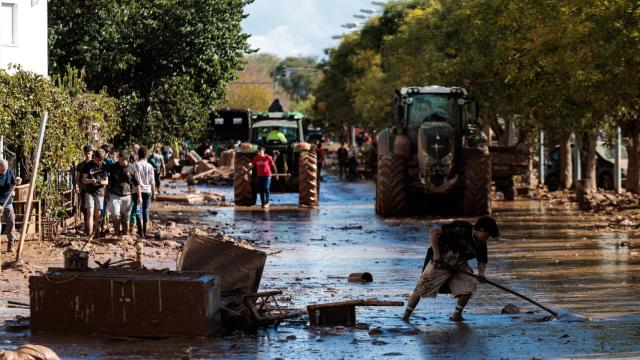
(556, 256)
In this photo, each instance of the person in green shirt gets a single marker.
(276, 135)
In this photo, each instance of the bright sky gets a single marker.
(299, 27)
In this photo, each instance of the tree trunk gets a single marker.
(486, 127)
(588, 155)
(566, 165)
(633, 171)
(497, 129)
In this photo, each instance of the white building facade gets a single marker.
(23, 35)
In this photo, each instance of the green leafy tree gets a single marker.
(75, 117)
(561, 66)
(298, 76)
(254, 88)
(349, 85)
(148, 52)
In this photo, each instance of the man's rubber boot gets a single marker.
(116, 226)
(9, 245)
(411, 305)
(457, 315)
(126, 227)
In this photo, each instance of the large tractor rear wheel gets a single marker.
(477, 182)
(308, 182)
(391, 188)
(244, 193)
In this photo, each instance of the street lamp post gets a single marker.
(617, 174)
(350, 25)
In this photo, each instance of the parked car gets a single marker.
(604, 167)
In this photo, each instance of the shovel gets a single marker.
(504, 288)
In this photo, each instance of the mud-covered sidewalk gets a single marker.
(580, 262)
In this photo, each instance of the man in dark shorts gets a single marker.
(94, 178)
(452, 245)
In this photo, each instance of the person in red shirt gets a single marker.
(264, 163)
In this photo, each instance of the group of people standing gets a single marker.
(119, 186)
(347, 161)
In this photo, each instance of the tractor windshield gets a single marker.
(288, 128)
(431, 107)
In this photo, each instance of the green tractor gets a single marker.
(296, 163)
(433, 157)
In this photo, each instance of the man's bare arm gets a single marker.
(85, 179)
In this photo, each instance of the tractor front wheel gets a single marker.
(391, 198)
(477, 182)
(308, 181)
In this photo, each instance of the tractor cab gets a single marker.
(282, 135)
(433, 148)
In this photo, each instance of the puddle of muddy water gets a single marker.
(552, 255)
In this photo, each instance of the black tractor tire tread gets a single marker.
(243, 181)
(308, 180)
(391, 187)
(477, 182)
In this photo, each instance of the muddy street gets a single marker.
(566, 260)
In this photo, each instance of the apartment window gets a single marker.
(8, 26)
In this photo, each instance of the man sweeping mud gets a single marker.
(452, 245)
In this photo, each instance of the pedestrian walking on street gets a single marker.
(133, 156)
(157, 161)
(7, 182)
(343, 158)
(352, 162)
(80, 187)
(264, 163)
(146, 174)
(94, 178)
(452, 245)
(123, 184)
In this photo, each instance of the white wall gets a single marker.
(28, 46)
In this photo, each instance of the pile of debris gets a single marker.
(194, 198)
(561, 198)
(592, 201)
(197, 170)
(609, 201)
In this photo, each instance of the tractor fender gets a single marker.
(384, 146)
(402, 146)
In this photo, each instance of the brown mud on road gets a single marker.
(564, 259)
